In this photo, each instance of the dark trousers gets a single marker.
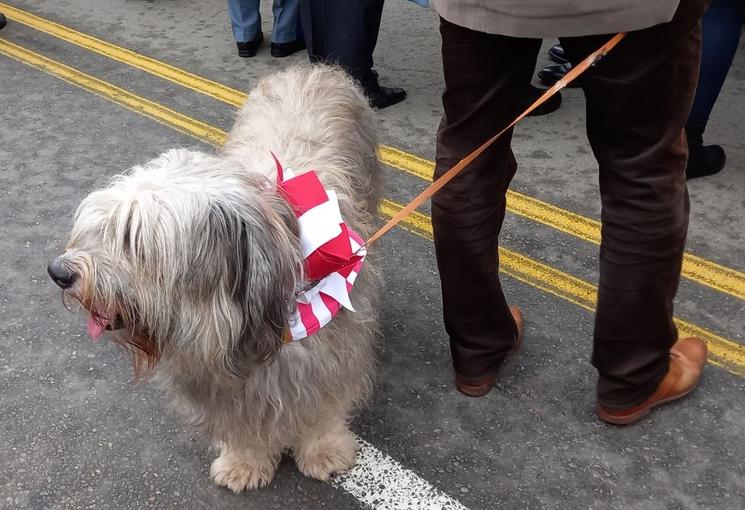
(637, 101)
(722, 25)
(344, 32)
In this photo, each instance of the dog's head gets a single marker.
(184, 256)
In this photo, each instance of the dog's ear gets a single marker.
(259, 238)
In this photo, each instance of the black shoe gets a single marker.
(703, 160)
(531, 96)
(280, 50)
(550, 74)
(3, 20)
(386, 96)
(556, 52)
(249, 49)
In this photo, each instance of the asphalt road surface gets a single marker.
(79, 102)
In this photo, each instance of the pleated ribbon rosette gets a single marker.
(333, 257)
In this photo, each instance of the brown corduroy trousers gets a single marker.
(637, 101)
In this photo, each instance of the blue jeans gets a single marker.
(246, 20)
(721, 25)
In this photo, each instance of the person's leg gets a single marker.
(311, 21)
(286, 20)
(244, 19)
(345, 33)
(721, 26)
(638, 98)
(287, 36)
(485, 78)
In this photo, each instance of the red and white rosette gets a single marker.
(333, 257)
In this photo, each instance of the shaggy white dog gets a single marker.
(193, 261)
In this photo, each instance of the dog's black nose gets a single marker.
(61, 275)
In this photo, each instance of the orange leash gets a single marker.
(455, 170)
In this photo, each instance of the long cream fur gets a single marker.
(197, 256)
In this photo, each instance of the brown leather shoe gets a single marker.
(687, 358)
(480, 387)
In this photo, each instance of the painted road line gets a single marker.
(697, 269)
(378, 481)
(114, 52)
(150, 109)
(723, 352)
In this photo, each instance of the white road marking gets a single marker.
(379, 482)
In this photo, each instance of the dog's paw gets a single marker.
(321, 457)
(239, 473)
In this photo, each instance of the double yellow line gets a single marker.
(723, 352)
(697, 269)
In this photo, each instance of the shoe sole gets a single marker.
(283, 54)
(474, 390)
(633, 418)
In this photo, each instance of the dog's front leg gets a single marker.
(241, 469)
(325, 449)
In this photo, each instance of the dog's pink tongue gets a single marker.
(96, 327)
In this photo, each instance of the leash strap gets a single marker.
(455, 170)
